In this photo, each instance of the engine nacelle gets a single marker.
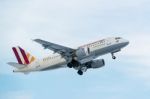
(97, 63)
(80, 53)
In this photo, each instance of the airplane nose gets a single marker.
(126, 42)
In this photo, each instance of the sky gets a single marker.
(73, 23)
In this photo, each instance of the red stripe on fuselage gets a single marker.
(24, 55)
(17, 55)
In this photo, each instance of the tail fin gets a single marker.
(22, 56)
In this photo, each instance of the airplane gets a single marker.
(81, 59)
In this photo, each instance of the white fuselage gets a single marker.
(92, 50)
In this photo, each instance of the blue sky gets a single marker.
(73, 23)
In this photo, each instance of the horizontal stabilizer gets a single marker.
(16, 65)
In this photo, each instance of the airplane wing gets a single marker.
(62, 50)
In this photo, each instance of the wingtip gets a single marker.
(35, 40)
(8, 63)
(32, 39)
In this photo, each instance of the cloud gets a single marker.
(16, 95)
(138, 49)
(138, 44)
(136, 57)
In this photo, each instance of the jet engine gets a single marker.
(97, 63)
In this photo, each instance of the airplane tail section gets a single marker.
(23, 57)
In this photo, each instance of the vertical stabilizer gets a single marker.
(22, 56)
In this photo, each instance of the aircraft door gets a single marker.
(87, 50)
(108, 42)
